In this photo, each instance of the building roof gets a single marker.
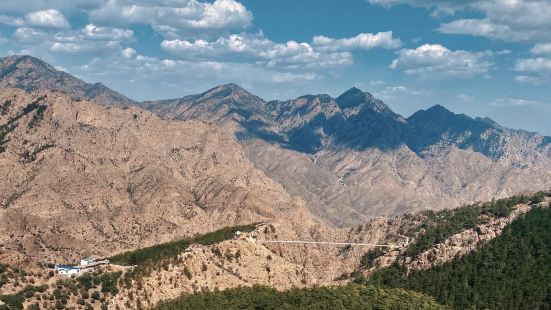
(65, 267)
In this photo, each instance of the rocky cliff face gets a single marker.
(30, 74)
(351, 158)
(79, 178)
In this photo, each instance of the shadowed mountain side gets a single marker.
(352, 157)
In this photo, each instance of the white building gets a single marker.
(86, 261)
(67, 270)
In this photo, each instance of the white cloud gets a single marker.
(91, 39)
(285, 77)
(541, 48)
(12, 21)
(128, 52)
(437, 59)
(527, 79)
(163, 78)
(46, 19)
(394, 92)
(438, 7)
(257, 49)
(29, 35)
(94, 32)
(363, 41)
(173, 18)
(487, 28)
(513, 102)
(538, 64)
(24, 6)
(465, 98)
(80, 47)
(507, 20)
(396, 89)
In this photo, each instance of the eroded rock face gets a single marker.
(352, 158)
(79, 178)
(30, 74)
(463, 242)
(349, 158)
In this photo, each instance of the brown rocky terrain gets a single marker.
(348, 158)
(30, 74)
(85, 179)
(80, 179)
(352, 158)
(247, 260)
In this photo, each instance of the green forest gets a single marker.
(264, 298)
(512, 271)
(169, 250)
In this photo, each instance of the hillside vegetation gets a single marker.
(168, 250)
(437, 226)
(509, 272)
(265, 298)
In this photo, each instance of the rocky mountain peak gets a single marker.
(228, 91)
(31, 74)
(351, 98)
(11, 63)
(355, 101)
(438, 116)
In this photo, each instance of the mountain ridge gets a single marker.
(351, 157)
(30, 73)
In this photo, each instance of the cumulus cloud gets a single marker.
(12, 21)
(128, 52)
(507, 20)
(363, 41)
(437, 59)
(175, 17)
(24, 6)
(541, 48)
(94, 32)
(538, 64)
(256, 49)
(155, 77)
(46, 19)
(89, 39)
(322, 52)
(29, 35)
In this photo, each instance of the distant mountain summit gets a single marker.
(349, 157)
(30, 74)
(352, 156)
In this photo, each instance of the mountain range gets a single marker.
(352, 157)
(348, 158)
(201, 193)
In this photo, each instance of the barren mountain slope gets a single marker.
(351, 157)
(82, 179)
(29, 73)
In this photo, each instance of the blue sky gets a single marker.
(479, 57)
